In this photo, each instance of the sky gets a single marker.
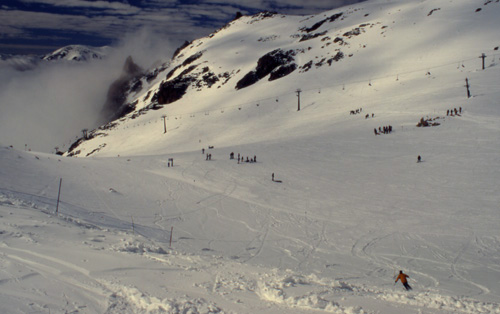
(42, 26)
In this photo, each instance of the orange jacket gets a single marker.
(402, 277)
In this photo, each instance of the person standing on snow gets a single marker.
(402, 276)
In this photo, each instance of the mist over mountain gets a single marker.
(45, 101)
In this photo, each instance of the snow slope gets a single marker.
(350, 209)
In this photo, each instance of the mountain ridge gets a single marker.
(71, 53)
(299, 52)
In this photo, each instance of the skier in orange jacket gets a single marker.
(403, 277)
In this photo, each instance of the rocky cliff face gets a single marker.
(116, 104)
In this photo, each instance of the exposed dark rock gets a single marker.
(318, 24)
(71, 154)
(192, 58)
(227, 76)
(334, 17)
(178, 50)
(432, 11)
(238, 16)
(96, 150)
(314, 27)
(268, 38)
(320, 63)
(306, 67)
(208, 79)
(171, 73)
(152, 75)
(354, 32)
(74, 146)
(264, 15)
(108, 126)
(282, 71)
(339, 56)
(265, 65)
(188, 70)
(173, 90)
(339, 41)
(115, 106)
(272, 60)
(136, 86)
(311, 36)
(249, 79)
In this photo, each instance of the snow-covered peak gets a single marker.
(77, 53)
(73, 53)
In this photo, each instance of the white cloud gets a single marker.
(50, 105)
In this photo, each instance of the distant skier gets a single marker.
(272, 176)
(419, 159)
(403, 277)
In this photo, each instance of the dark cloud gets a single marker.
(55, 23)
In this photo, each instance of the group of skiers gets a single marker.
(454, 110)
(242, 159)
(383, 130)
(356, 111)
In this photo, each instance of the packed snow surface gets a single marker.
(324, 219)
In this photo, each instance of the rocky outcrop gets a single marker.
(116, 106)
(320, 23)
(178, 50)
(278, 61)
(173, 90)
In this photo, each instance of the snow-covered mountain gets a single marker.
(261, 58)
(72, 53)
(77, 53)
(160, 219)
